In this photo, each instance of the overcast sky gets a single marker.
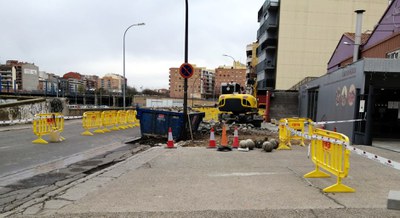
(85, 36)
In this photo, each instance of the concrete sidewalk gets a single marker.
(200, 182)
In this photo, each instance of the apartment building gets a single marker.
(75, 82)
(296, 38)
(251, 64)
(8, 77)
(111, 82)
(229, 74)
(200, 85)
(27, 75)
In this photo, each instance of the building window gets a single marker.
(393, 55)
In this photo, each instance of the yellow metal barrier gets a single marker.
(121, 119)
(284, 136)
(211, 113)
(296, 124)
(287, 125)
(48, 124)
(328, 153)
(91, 120)
(130, 118)
(137, 121)
(108, 119)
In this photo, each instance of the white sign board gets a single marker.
(362, 106)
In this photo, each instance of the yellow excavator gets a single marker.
(237, 107)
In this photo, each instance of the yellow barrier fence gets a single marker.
(211, 113)
(48, 124)
(137, 121)
(121, 119)
(132, 121)
(108, 119)
(329, 153)
(298, 125)
(285, 136)
(92, 120)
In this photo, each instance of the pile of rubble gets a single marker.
(205, 128)
(251, 136)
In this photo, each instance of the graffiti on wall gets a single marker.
(23, 112)
(345, 96)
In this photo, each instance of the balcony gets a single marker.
(249, 47)
(271, 5)
(268, 25)
(267, 65)
(267, 44)
(270, 48)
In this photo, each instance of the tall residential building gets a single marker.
(91, 82)
(296, 38)
(8, 77)
(27, 75)
(200, 85)
(228, 74)
(75, 82)
(251, 64)
(111, 82)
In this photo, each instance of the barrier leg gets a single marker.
(40, 140)
(106, 130)
(115, 128)
(87, 133)
(339, 187)
(316, 174)
(284, 145)
(302, 142)
(98, 131)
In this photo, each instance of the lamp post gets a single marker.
(123, 57)
(234, 61)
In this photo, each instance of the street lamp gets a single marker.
(123, 57)
(234, 61)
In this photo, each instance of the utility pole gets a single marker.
(185, 84)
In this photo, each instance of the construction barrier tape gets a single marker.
(374, 157)
(339, 121)
(72, 117)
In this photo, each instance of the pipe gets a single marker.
(357, 39)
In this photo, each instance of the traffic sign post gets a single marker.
(186, 70)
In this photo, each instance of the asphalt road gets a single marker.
(20, 157)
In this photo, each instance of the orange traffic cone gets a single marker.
(235, 138)
(170, 143)
(212, 139)
(223, 146)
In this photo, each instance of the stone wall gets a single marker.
(26, 109)
(284, 105)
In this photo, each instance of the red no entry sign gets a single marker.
(186, 70)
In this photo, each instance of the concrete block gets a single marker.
(394, 200)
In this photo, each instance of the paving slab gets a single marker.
(394, 200)
(203, 182)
